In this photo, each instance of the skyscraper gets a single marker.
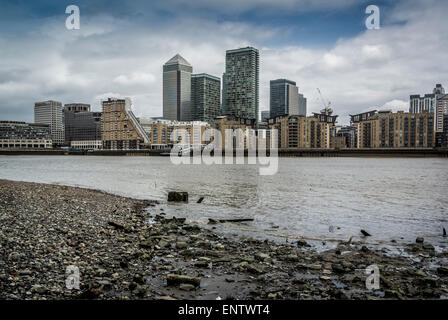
(241, 82)
(205, 97)
(82, 125)
(284, 98)
(50, 112)
(302, 105)
(177, 89)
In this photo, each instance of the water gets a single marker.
(315, 198)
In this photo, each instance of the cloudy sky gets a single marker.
(120, 48)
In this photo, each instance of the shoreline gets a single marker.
(45, 228)
(282, 153)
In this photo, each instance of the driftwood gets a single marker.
(365, 233)
(175, 279)
(213, 221)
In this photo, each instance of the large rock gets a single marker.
(177, 196)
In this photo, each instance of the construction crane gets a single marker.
(326, 110)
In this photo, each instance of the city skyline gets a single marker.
(356, 69)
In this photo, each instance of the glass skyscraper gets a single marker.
(205, 97)
(241, 82)
(284, 98)
(177, 89)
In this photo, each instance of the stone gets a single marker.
(315, 267)
(419, 240)
(181, 245)
(301, 243)
(261, 256)
(442, 271)
(177, 196)
(39, 289)
(186, 287)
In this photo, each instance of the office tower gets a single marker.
(302, 105)
(120, 128)
(205, 97)
(82, 127)
(22, 135)
(177, 89)
(50, 112)
(242, 83)
(284, 98)
(265, 115)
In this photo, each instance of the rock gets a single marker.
(315, 267)
(419, 240)
(301, 243)
(428, 246)
(138, 278)
(326, 278)
(14, 256)
(164, 244)
(116, 225)
(364, 249)
(200, 200)
(212, 221)
(39, 289)
(181, 245)
(174, 279)
(365, 233)
(132, 286)
(442, 271)
(444, 232)
(176, 196)
(186, 287)
(261, 256)
(250, 267)
(201, 264)
(140, 290)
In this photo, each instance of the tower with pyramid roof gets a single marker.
(177, 89)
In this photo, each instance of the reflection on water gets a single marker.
(391, 198)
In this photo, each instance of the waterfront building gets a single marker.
(50, 113)
(428, 102)
(82, 127)
(343, 137)
(177, 89)
(241, 83)
(159, 132)
(226, 122)
(22, 135)
(120, 128)
(304, 132)
(205, 97)
(284, 98)
(396, 130)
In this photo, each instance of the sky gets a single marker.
(121, 47)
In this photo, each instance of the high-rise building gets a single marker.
(302, 105)
(82, 127)
(223, 95)
(284, 98)
(120, 128)
(242, 83)
(428, 102)
(445, 131)
(22, 135)
(177, 89)
(50, 112)
(205, 97)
